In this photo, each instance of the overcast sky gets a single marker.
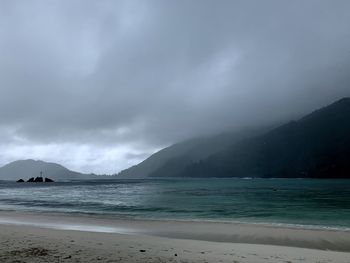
(99, 85)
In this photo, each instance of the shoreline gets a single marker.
(222, 232)
(113, 217)
(37, 245)
(39, 238)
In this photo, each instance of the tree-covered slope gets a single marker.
(173, 159)
(317, 145)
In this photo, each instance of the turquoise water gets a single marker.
(324, 203)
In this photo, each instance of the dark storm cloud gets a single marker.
(107, 82)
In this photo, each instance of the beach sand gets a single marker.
(28, 237)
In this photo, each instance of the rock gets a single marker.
(48, 180)
(20, 181)
(38, 180)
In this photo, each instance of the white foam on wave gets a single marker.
(67, 226)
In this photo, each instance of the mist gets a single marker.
(100, 85)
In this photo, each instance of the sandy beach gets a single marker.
(29, 237)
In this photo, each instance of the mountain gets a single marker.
(174, 159)
(30, 168)
(316, 146)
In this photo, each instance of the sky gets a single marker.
(99, 85)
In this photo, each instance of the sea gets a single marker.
(298, 202)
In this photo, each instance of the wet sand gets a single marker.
(28, 237)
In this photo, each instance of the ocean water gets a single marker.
(304, 202)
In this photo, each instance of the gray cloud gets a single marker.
(99, 85)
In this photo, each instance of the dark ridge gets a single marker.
(316, 146)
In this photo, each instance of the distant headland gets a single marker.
(22, 170)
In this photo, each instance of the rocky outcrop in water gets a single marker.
(48, 180)
(38, 179)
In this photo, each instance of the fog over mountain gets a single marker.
(315, 146)
(98, 86)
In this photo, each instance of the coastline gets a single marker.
(112, 218)
(36, 245)
(214, 231)
(89, 239)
